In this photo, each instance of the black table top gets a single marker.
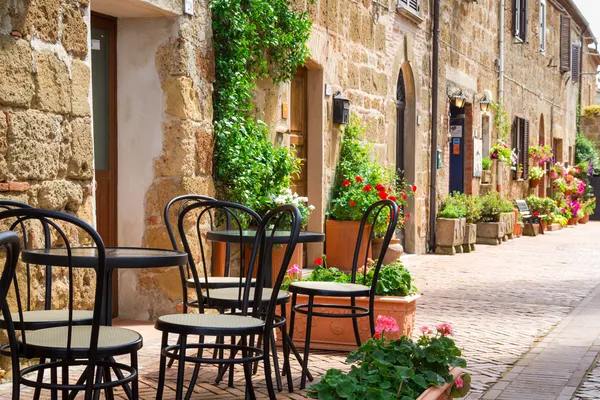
(116, 257)
(281, 237)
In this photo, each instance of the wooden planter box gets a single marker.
(490, 233)
(508, 220)
(341, 243)
(441, 392)
(449, 235)
(338, 333)
(470, 238)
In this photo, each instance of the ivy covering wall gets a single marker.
(253, 39)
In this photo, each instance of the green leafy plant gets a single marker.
(453, 206)
(543, 206)
(473, 206)
(501, 121)
(486, 163)
(536, 172)
(396, 369)
(586, 153)
(501, 152)
(540, 154)
(361, 182)
(253, 39)
(492, 205)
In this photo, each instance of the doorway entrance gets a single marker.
(299, 128)
(104, 84)
(457, 149)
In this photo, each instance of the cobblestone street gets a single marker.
(509, 305)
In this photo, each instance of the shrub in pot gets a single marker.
(399, 368)
(359, 183)
(450, 226)
(395, 296)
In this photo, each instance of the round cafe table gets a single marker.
(116, 258)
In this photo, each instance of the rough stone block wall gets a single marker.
(590, 127)
(46, 157)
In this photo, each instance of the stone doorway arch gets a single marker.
(406, 145)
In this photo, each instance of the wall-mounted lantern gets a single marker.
(341, 109)
(485, 104)
(459, 99)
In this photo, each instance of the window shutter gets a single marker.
(525, 148)
(565, 43)
(515, 139)
(516, 17)
(524, 20)
(414, 5)
(402, 3)
(575, 63)
(543, 25)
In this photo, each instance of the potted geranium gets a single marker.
(359, 183)
(395, 296)
(429, 368)
(540, 154)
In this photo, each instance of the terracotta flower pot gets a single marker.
(544, 225)
(341, 237)
(277, 258)
(392, 254)
(572, 221)
(585, 219)
(533, 183)
(338, 333)
(441, 392)
(518, 174)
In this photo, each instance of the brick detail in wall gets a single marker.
(14, 186)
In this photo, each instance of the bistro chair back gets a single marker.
(9, 205)
(195, 221)
(70, 343)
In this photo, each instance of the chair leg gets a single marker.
(54, 381)
(65, 380)
(307, 341)
(16, 384)
(40, 379)
(372, 318)
(172, 360)
(135, 383)
(97, 381)
(292, 315)
(196, 371)
(355, 322)
(259, 344)
(181, 368)
(286, 351)
(250, 395)
(276, 363)
(108, 392)
(163, 366)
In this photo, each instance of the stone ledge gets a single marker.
(14, 186)
(410, 14)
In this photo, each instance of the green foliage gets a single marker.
(397, 369)
(253, 39)
(536, 172)
(501, 121)
(501, 152)
(586, 152)
(591, 111)
(474, 208)
(361, 182)
(492, 205)
(459, 205)
(486, 163)
(543, 206)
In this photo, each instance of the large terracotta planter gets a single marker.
(441, 392)
(392, 254)
(508, 221)
(449, 235)
(585, 219)
(533, 183)
(490, 233)
(572, 221)
(338, 333)
(341, 243)
(470, 238)
(277, 258)
(518, 231)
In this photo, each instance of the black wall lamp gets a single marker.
(341, 109)
(485, 104)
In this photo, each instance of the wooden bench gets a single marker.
(528, 217)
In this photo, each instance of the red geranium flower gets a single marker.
(346, 183)
(318, 261)
(404, 196)
(382, 195)
(407, 215)
(377, 335)
(414, 188)
(379, 187)
(392, 198)
(367, 188)
(536, 213)
(358, 179)
(352, 203)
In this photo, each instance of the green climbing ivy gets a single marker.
(253, 39)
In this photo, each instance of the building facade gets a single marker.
(106, 106)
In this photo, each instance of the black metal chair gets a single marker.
(348, 290)
(249, 321)
(34, 318)
(70, 345)
(209, 281)
(10, 246)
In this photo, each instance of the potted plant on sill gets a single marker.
(427, 369)
(395, 296)
(486, 173)
(519, 172)
(535, 176)
(359, 183)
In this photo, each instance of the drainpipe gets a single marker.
(434, 124)
(500, 84)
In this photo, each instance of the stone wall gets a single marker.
(46, 157)
(590, 127)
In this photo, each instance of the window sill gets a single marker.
(410, 14)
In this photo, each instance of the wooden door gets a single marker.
(298, 128)
(104, 85)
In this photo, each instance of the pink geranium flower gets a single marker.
(295, 269)
(445, 330)
(387, 324)
(425, 330)
(459, 382)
